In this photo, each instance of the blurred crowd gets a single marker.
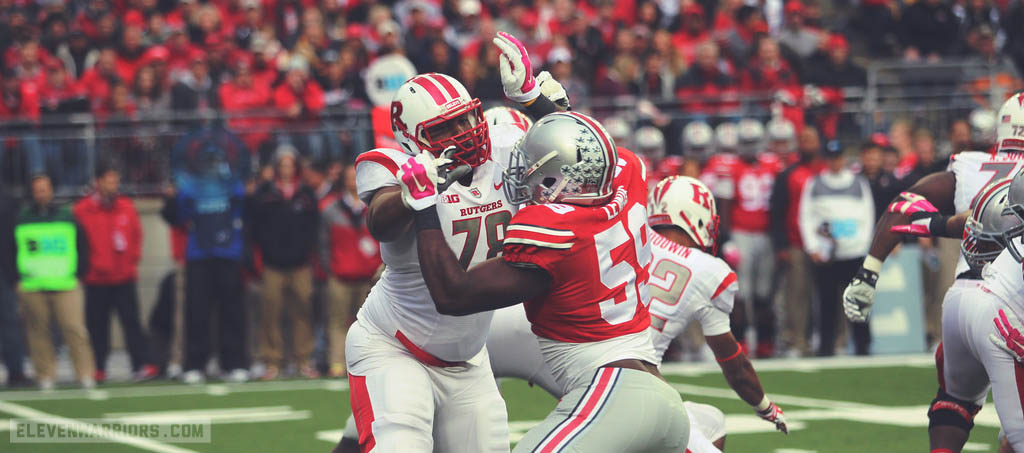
(278, 68)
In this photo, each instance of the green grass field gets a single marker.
(834, 406)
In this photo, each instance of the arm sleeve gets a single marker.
(808, 221)
(713, 321)
(778, 208)
(372, 176)
(540, 107)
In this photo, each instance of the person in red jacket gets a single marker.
(112, 228)
(352, 256)
(245, 99)
(300, 99)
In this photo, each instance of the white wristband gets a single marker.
(872, 264)
(764, 404)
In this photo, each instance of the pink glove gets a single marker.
(1009, 339)
(418, 178)
(925, 220)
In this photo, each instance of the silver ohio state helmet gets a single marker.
(750, 135)
(985, 228)
(726, 137)
(1014, 207)
(1010, 125)
(686, 203)
(698, 139)
(649, 142)
(507, 115)
(424, 103)
(566, 157)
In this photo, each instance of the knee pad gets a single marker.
(948, 411)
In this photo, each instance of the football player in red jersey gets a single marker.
(578, 255)
(751, 182)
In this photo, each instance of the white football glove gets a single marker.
(860, 295)
(553, 90)
(516, 70)
(773, 413)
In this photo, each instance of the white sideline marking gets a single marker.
(794, 450)
(116, 437)
(215, 416)
(977, 446)
(5, 424)
(142, 391)
(332, 435)
(922, 360)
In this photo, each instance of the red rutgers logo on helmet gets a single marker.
(396, 116)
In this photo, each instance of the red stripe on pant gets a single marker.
(586, 413)
(362, 410)
(940, 365)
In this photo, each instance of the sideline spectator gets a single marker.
(209, 205)
(12, 340)
(706, 85)
(929, 29)
(112, 227)
(352, 256)
(795, 35)
(52, 251)
(284, 218)
(837, 216)
(788, 245)
(884, 185)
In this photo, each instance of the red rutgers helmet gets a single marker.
(431, 112)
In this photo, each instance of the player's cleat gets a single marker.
(270, 373)
(193, 377)
(46, 384)
(145, 373)
(100, 376)
(237, 376)
(87, 383)
(309, 372)
(765, 350)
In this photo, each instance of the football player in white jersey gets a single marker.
(951, 191)
(980, 328)
(420, 380)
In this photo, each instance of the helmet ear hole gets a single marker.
(700, 224)
(548, 182)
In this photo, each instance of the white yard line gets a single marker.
(142, 391)
(807, 364)
(727, 393)
(75, 425)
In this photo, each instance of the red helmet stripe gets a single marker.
(443, 81)
(432, 89)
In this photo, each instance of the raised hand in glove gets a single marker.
(925, 219)
(553, 90)
(516, 70)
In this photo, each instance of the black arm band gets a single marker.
(427, 219)
(540, 107)
(938, 226)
